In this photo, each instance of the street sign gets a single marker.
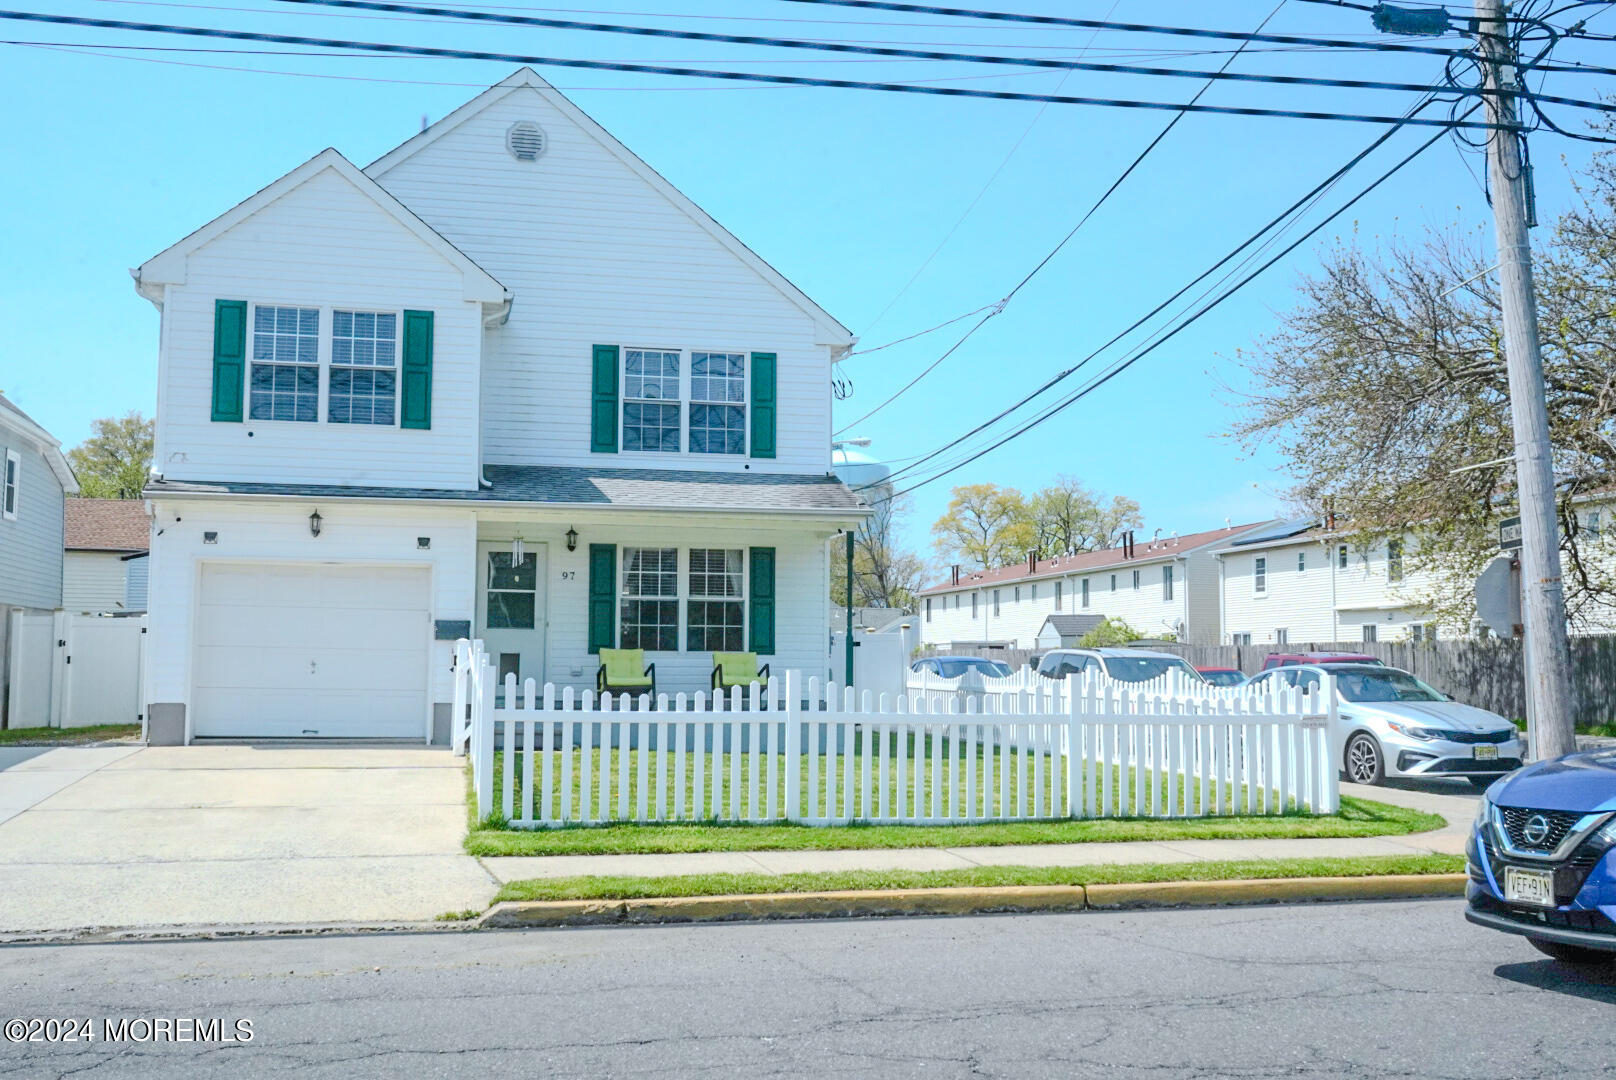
(1509, 534)
(1498, 596)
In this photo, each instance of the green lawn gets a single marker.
(78, 736)
(628, 888)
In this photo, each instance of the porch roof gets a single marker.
(575, 486)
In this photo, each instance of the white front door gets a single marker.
(511, 610)
(317, 650)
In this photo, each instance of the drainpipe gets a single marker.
(849, 642)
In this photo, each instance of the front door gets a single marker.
(510, 609)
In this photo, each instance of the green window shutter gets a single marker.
(763, 404)
(415, 409)
(603, 405)
(762, 600)
(602, 597)
(229, 358)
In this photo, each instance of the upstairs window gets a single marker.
(995, 602)
(285, 378)
(364, 356)
(1259, 575)
(8, 492)
(1341, 557)
(717, 403)
(928, 609)
(1301, 562)
(1167, 582)
(651, 401)
(1057, 596)
(1136, 581)
(1085, 592)
(1593, 525)
(1394, 560)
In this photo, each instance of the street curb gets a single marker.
(517, 914)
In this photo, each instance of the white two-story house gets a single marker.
(505, 382)
(1167, 585)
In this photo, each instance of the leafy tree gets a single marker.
(1070, 518)
(113, 462)
(885, 574)
(1385, 390)
(986, 526)
(1114, 631)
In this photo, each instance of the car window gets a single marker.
(1308, 681)
(1387, 685)
(1145, 668)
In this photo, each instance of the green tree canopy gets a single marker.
(114, 461)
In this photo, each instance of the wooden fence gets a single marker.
(816, 753)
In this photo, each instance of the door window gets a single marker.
(511, 588)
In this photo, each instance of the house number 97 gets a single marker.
(568, 575)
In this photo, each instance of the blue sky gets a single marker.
(113, 157)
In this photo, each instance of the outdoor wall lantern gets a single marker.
(572, 539)
(314, 523)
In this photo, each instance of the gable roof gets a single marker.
(168, 266)
(44, 441)
(119, 525)
(1072, 625)
(830, 328)
(1088, 561)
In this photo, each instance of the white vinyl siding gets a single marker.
(31, 536)
(94, 581)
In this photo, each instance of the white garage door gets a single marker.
(316, 651)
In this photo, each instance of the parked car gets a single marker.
(1222, 676)
(1539, 857)
(1124, 665)
(1274, 660)
(950, 667)
(1395, 725)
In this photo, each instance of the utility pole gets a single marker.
(1550, 724)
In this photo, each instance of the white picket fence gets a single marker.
(816, 753)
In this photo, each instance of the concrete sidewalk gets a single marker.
(1457, 806)
(232, 834)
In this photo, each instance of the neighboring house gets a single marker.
(1166, 586)
(103, 567)
(507, 382)
(1303, 582)
(1065, 631)
(34, 480)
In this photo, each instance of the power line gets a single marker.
(733, 76)
(863, 50)
(1056, 250)
(1122, 365)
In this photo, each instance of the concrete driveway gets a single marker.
(239, 834)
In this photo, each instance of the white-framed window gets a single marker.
(1136, 581)
(1282, 636)
(928, 609)
(1259, 575)
(1113, 583)
(995, 603)
(1240, 639)
(10, 490)
(1371, 632)
(717, 403)
(1057, 596)
(1301, 562)
(715, 613)
(1416, 631)
(1085, 592)
(1167, 582)
(648, 608)
(284, 383)
(651, 379)
(973, 605)
(1017, 595)
(1394, 560)
(362, 384)
(1035, 592)
(1593, 525)
(1341, 556)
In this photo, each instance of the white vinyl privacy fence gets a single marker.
(806, 751)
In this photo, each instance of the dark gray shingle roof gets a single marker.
(1074, 625)
(652, 489)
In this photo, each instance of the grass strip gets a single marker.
(634, 888)
(1358, 817)
(75, 736)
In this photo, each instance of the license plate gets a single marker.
(1486, 753)
(1529, 886)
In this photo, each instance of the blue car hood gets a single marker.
(1582, 783)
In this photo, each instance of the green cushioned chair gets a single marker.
(624, 671)
(738, 669)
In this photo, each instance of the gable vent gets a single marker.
(525, 141)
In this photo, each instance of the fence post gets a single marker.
(482, 767)
(1074, 764)
(457, 715)
(793, 749)
(1333, 749)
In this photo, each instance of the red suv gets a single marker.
(1280, 659)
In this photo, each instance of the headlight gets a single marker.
(1607, 834)
(1424, 734)
(1484, 813)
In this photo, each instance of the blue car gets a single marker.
(1540, 857)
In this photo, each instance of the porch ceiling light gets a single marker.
(314, 523)
(572, 539)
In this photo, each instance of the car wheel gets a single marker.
(1570, 954)
(1364, 764)
(1481, 783)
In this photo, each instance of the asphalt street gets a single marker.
(1367, 989)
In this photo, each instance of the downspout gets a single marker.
(1223, 614)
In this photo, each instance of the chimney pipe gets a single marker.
(1032, 562)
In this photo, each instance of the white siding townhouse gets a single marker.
(1168, 585)
(1300, 582)
(506, 382)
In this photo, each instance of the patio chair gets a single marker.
(624, 671)
(738, 669)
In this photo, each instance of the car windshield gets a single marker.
(1223, 678)
(1145, 668)
(955, 666)
(1386, 685)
